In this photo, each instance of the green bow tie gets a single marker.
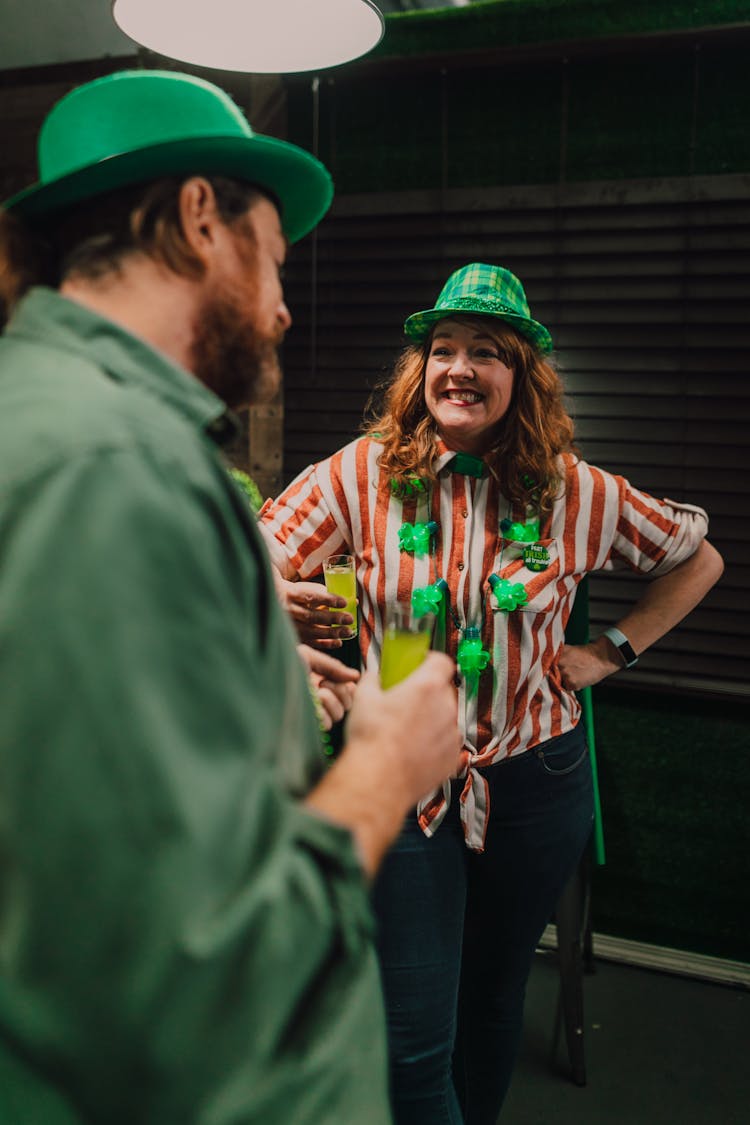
(467, 465)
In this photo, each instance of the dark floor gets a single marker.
(660, 1050)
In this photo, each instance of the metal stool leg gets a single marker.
(573, 915)
(569, 918)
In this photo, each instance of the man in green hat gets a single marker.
(185, 930)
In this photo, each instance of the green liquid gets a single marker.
(402, 654)
(343, 582)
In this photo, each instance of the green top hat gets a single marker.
(138, 125)
(484, 291)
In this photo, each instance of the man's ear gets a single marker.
(199, 216)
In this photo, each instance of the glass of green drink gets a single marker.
(340, 578)
(406, 642)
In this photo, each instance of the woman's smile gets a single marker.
(463, 398)
(468, 386)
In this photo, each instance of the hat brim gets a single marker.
(302, 185)
(419, 324)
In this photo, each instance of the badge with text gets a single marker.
(536, 557)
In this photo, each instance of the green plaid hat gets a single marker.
(485, 291)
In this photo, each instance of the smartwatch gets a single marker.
(623, 646)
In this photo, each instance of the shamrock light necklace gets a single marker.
(419, 538)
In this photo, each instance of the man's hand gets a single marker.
(413, 725)
(400, 744)
(333, 681)
(309, 605)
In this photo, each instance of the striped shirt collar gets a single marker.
(445, 456)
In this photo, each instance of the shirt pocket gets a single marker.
(536, 570)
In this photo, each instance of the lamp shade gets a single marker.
(254, 36)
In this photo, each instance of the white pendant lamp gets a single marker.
(255, 36)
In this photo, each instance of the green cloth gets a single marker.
(180, 940)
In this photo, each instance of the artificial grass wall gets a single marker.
(674, 776)
(520, 23)
(632, 115)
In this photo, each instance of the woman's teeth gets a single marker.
(463, 396)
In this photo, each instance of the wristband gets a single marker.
(623, 646)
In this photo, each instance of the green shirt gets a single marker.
(180, 940)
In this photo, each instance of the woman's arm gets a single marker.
(665, 602)
(308, 604)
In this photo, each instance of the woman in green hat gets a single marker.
(466, 498)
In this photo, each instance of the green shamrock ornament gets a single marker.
(407, 488)
(249, 487)
(426, 599)
(532, 529)
(471, 658)
(520, 532)
(508, 595)
(416, 537)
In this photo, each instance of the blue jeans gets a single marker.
(457, 932)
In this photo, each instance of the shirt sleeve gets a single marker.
(180, 939)
(308, 521)
(636, 530)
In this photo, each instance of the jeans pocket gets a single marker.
(562, 755)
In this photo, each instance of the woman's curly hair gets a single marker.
(530, 437)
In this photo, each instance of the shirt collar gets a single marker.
(45, 315)
(467, 464)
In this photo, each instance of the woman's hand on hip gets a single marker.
(584, 665)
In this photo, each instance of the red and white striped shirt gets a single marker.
(598, 522)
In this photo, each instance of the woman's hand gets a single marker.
(583, 665)
(309, 605)
(334, 683)
(667, 599)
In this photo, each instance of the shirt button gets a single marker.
(460, 566)
(465, 514)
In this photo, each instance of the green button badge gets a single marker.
(536, 557)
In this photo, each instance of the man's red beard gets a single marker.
(230, 355)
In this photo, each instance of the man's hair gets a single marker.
(93, 238)
(530, 437)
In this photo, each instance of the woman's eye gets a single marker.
(486, 353)
(440, 351)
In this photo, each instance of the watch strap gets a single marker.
(623, 646)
